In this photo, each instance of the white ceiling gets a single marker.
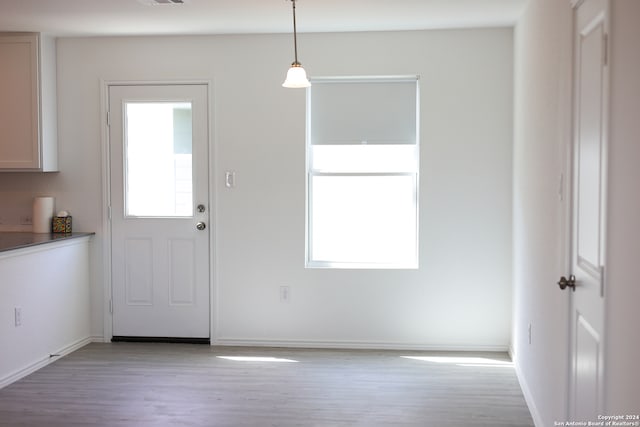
(133, 17)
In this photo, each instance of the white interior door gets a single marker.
(159, 211)
(589, 208)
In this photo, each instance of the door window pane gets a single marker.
(158, 159)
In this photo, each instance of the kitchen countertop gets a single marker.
(18, 240)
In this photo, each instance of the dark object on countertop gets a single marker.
(61, 224)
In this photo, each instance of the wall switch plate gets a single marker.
(229, 179)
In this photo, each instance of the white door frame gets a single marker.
(107, 323)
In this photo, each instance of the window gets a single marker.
(362, 173)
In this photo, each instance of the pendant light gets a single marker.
(296, 76)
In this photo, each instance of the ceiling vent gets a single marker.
(163, 2)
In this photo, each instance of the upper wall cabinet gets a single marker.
(28, 119)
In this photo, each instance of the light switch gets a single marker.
(229, 179)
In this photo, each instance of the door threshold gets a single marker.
(173, 340)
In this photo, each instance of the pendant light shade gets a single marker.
(296, 76)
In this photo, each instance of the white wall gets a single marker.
(461, 295)
(542, 128)
(622, 385)
(50, 284)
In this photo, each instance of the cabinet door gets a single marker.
(19, 121)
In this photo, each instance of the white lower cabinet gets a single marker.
(44, 305)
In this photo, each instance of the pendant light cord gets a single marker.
(295, 38)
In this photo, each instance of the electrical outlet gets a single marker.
(285, 294)
(18, 316)
(26, 220)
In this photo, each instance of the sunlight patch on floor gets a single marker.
(464, 361)
(257, 359)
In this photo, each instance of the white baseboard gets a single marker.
(354, 345)
(528, 397)
(21, 373)
(98, 338)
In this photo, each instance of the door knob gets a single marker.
(201, 225)
(570, 282)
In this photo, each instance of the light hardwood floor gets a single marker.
(132, 384)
